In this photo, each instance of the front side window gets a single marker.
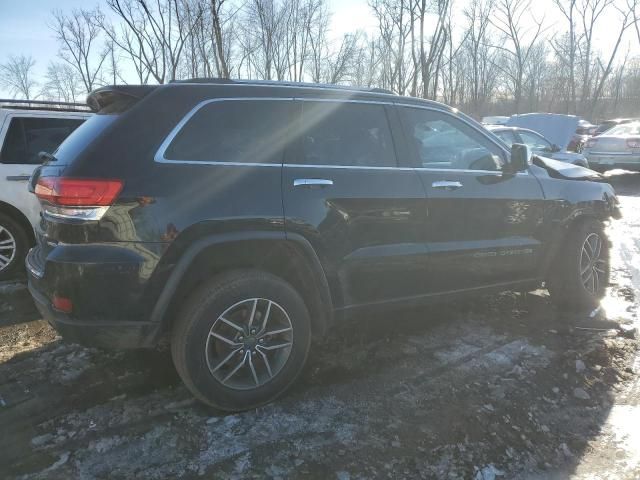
(28, 136)
(346, 134)
(442, 141)
(236, 131)
(507, 137)
(536, 142)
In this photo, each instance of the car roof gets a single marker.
(243, 88)
(43, 106)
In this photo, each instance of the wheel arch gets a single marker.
(19, 217)
(290, 257)
(560, 234)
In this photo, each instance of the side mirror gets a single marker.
(521, 158)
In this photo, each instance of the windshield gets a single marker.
(626, 129)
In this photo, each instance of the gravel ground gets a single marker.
(501, 386)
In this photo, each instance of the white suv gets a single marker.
(26, 129)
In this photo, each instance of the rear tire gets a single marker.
(14, 242)
(580, 274)
(234, 363)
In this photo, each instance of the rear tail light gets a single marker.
(591, 143)
(633, 142)
(62, 304)
(78, 192)
(77, 198)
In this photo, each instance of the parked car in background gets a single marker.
(585, 128)
(538, 144)
(618, 147)
(609, 124)
(495, 120)
(240, 219)
(558, 129)
(26, 129)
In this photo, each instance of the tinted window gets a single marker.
(536, 142)
(239, 131)
(82, 137)
(348, 134)
(442, 141)
(27, 137)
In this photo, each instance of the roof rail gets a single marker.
(227, 81)
(43, 105)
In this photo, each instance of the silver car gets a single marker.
(615, 148)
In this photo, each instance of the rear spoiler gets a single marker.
(117, 98)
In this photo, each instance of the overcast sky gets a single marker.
(24, 30)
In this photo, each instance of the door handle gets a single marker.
(312, 182)
(18, 178)
(446, 185)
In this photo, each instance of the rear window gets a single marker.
(235, 131)
(626, 129)
(81, 137)
(27, 136)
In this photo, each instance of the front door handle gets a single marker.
(312, 182)
(446, 185)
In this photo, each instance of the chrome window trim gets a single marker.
(159, 155)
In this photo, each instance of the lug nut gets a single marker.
(261, 340)
(253, 331)
(240, 338)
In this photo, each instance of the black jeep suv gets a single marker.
(238, 219)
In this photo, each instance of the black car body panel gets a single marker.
(356, 236)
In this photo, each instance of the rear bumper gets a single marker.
(116, 335)
(104, 313)
(609, 161)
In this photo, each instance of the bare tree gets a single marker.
(318, 51)
(395, 20)
(16, 74)
(61, 83)
(155, 34)
(627, 20)
(479, 54)
(509, 21)
(566, 49)
(79, 34)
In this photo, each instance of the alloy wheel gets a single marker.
(592, 265)
(249, 344)
(7, 248)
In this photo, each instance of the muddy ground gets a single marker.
(502, 386)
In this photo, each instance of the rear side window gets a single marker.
(27, 136)
(237, 131)
(346, 134)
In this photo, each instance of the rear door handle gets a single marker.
(446, 185)
(18, 178)
(312, 182)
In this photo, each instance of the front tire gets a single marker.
(14, 243)
(241, 340)
(581, 273)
